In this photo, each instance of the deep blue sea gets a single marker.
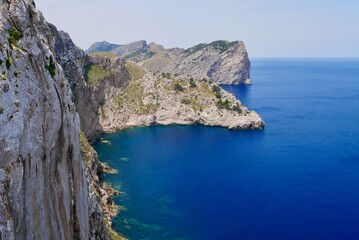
(297, 179)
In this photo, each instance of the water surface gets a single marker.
(297, 179)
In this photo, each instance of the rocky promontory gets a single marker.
(221, 61)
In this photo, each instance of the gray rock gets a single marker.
(44, 184)
(222, 61)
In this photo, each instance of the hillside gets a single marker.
(222, 61)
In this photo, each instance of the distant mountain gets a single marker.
(102, 47)
(221, 61)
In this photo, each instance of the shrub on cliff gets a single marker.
(178, 87)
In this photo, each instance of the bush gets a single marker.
(178, 87)
(51, 67)
(224, 105)
(237, 108)
(8, 63)
(192, 84)
(217, 91)
(186, 101)
(15, 35)
(1, 110)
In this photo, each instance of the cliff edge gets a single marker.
(45, 190)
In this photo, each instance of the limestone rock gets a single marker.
(43, 191)
(222, 61)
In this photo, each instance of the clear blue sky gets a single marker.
(269, 28)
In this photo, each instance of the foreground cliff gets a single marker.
(223, 62)
(45, 188)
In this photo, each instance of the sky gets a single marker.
(269, 28)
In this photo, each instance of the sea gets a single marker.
(296, 179)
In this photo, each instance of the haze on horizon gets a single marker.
(277, 28)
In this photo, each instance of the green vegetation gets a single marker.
(135, 71)
(178, 87)
(217, 91)
(221, 45)
(1, 110)
(103, 54)
(228, 106)
(196, 48)
(101, 111)
(192, 84)
(186, 101)
(95, 73)
(86, 149)
(166, 75)
(132, 97)
(15, 35)
(140, 54)
(114, 235)
(4, 77)
(224, 104)
(237, 108)
(51, 67)
(8, 62)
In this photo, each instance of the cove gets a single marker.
(297, 179)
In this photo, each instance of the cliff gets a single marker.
(39, 134)
(45, 190)
(222, 61)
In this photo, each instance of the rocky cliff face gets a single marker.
(44, 182)
(221, 61)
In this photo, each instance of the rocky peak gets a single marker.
(222, 61)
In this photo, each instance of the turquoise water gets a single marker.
(297, 179)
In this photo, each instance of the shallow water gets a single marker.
(297, 179)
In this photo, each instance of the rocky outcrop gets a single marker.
(168, 100)
(221, 61)
(43, 191)
(114, 94)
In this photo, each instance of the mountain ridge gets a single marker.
(222, 61)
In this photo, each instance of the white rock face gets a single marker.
(43, 182)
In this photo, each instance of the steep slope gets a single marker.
(44, 190)
(222, 61)
(39, 135)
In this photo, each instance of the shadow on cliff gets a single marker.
(89, 96)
